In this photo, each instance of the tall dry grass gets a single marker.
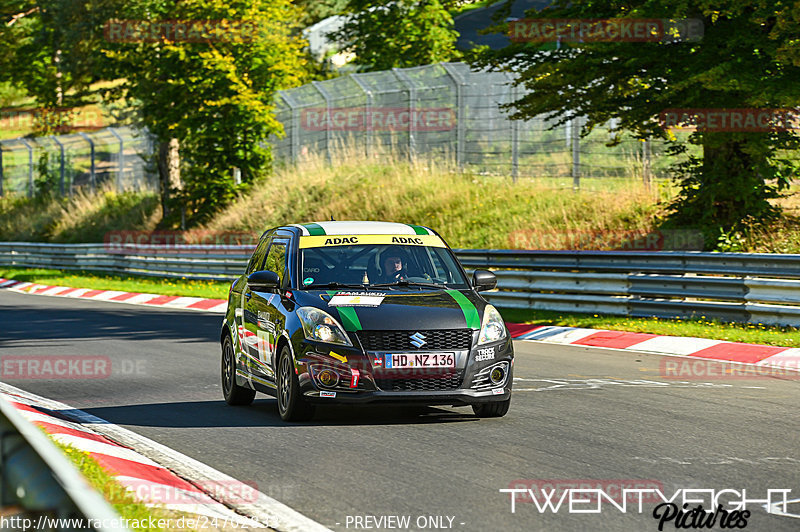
(468, 209)
(85, 217)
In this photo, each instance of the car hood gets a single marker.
(398, 309)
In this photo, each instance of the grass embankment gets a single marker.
(135, 512)
(713, 329)
(700, 328)
(470, 211)
(85, 217)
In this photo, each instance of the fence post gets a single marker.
(92, 167)
(295, 140)
(514, 136)
(646, 162)
(460, 112)
(367, 116)
(1, 169)
(30, 166)
(328, 141)
(575, 125)
(412, 103)
(121, 160)
(62, 168)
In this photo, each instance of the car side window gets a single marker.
(257, 259)
(276, 259)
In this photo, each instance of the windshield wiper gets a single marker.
(404, 282)
(334, 284)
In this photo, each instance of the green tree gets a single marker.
(315, 10)
(747, 58)
(49, 49)
(215, 98)
(399, 33)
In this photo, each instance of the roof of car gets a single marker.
(361, 228)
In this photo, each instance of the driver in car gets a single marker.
(394, 269)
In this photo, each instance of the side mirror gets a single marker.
(263, 280)
(483, 280)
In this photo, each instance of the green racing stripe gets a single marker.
(419, 230)
(468, 308)
(347, 315)
(314, 229)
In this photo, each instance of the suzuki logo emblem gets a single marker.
(417, 340)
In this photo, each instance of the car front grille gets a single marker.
(435, 340)
(443, 382)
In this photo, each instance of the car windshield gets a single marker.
(385, 265)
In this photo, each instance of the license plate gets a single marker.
(420, 360)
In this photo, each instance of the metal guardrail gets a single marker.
(40, 488)
(177, 261)
(745, 287)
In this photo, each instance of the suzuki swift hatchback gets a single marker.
(363, 312)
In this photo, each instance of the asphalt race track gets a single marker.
(577, 414)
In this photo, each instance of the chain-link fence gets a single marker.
(442, 110)
(119, 157)
(449, 109)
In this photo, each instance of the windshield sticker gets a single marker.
(320, 241)
(308, 280)
(357, 299)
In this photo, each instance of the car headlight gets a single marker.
(320, 326)
(493, 327)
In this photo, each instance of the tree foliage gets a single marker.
(399, 33)
(50, 48)
(215, 97)
(747, 58)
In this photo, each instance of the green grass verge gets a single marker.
(126, 283)
(713, 329)
(120, 499)
(701, 328)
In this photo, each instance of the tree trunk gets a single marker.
(169, 172)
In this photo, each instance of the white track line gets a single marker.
(264, 510)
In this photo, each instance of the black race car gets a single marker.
(363, 312)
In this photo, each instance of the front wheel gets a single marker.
(291, 405)
(498, 409)
(234, 394)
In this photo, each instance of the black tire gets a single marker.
(291, 405)
(234, 394)
(498, 409)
